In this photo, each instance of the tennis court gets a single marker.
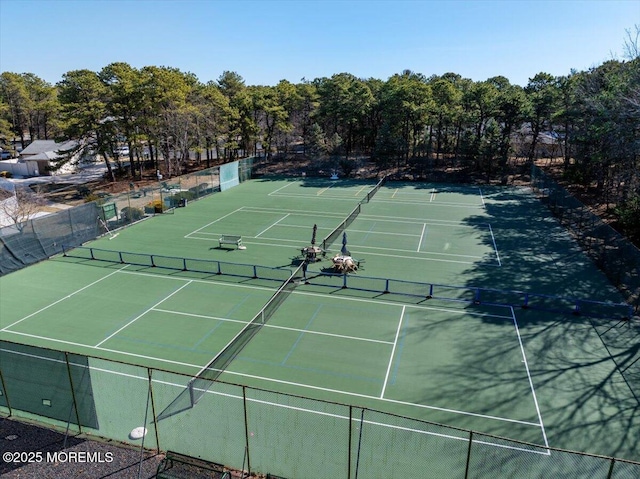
(429, 328)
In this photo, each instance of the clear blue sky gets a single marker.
(267, 41)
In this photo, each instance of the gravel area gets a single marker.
(38, 453)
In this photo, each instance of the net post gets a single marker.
(91, 252)
(430, 295)
(476, 298)
(344, 281)
(184, 264)
(64, 251)
(525, 305)
(386, 286)
(153, 262)
(119, 256)
(610, 473)
(255, 272)
(219, 268)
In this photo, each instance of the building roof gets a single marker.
(48, 147)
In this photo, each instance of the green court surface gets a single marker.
(549, 378)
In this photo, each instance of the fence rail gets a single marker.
(264, 431)
(470, 294)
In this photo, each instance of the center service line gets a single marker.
(393, 351)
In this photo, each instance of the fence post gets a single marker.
(466, 469)
(613, 461)
(153, 408)
(73, 394)
(6, 394)
(359, 442)
(246, 427)
(146, 416)
(350, 438)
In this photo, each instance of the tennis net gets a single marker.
(202, 381)
(340, 228)
(206, 377)
(375, 189)
(352, 216)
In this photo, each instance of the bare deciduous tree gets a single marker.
(19, 207)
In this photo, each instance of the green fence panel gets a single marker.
(212, 429)
(122, 402)
(492, 457)
(389, 446)
(38, 384)
(290, 436)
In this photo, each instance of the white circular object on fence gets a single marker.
(138, 433)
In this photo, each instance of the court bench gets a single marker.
(231, 239)
(179, 466)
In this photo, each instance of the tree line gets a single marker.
(590, 120)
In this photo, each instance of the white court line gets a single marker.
(359, 192)
(394, 401)
(117, 351)
(209, 224)
(268, 228)
(273, 326)
(286, 225)
(319, 333)
(203, 316)
(143, 313)
(394, 193)
(526, 365)
(424, 227)
(261, 401)
(398, 219)
(481, 197)
(323, 190)
(281, 188)
(326, 198)
(62, 299)
(417, 257)
(393, 352)
(427, 203)
(494, 245)
(296, 244)
(433, 195)
(204, 281)
(256, 209)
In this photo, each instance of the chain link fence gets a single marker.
(266, 432)
(40, 238)
(616, 256)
